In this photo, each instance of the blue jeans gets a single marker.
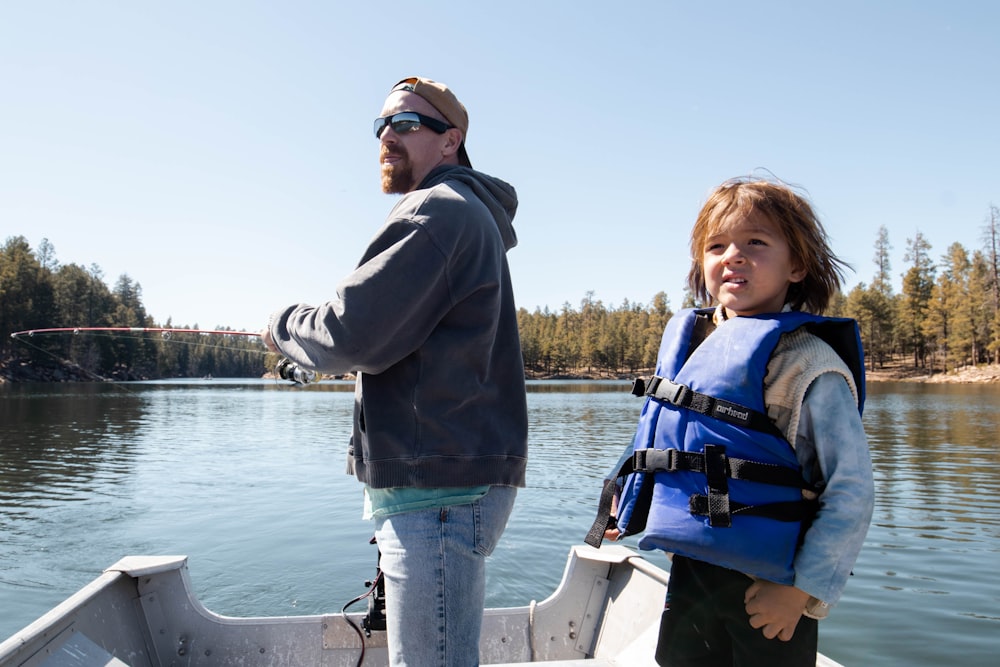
(434, 564)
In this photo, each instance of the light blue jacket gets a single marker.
(831, 445)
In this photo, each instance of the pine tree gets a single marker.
(918, 284)
(991, 237)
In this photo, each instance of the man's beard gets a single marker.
(397, 179)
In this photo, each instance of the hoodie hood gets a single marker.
(498, 196)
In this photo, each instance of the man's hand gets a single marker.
(265, 335)
(775, 609)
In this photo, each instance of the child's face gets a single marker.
(748, 267)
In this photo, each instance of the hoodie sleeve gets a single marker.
(380, 313)
(437, 262)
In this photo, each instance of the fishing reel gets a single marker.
(375, 619)
(288, 370)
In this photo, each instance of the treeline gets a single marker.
(595, 339)
(946, 315)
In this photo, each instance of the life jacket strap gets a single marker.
(793, 510)
(604, 519)
(674, 460)
(718, 470)
(683, 396)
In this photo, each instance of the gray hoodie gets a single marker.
(427, 320)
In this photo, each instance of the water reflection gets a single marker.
(926, 576)
(937, 446)
(61, 443)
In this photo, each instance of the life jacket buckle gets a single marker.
(673, 459)
(639, 460)
(670, 391)
(657, 460)
(681, 395)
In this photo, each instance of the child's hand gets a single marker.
(775, 608)
(611, 532)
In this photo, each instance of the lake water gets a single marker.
(247, 479)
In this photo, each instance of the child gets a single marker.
(750, 462)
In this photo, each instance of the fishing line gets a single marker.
(285, 369)
(163, 330)
(166, 335)
(64, 362)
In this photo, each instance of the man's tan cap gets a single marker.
(441, 98)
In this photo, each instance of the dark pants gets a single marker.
(705, 624)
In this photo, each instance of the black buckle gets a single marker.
(639, 460)
(681, 395)
(663, 460)
(673, 459)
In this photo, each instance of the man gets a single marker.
(428, 323)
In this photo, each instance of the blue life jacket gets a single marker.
(708, 475)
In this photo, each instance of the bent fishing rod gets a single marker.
(166, 331)
(285, 369)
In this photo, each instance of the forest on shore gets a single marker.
(945, 317)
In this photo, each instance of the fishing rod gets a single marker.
(166, 331)
(285, 369)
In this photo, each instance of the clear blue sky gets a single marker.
(220, 153)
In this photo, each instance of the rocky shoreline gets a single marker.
(984, 373)
(22, 371)
(894, 372)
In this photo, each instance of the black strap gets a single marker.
(718, 470)
(596, 533)
(792, 510)
(683, 396)
(673, 460)
(603, 521)
(718, 486)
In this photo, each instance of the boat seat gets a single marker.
(80, 651)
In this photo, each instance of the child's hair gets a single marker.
(740, 198)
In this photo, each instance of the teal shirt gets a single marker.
(395, 500)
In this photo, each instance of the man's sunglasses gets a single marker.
(409, 121)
